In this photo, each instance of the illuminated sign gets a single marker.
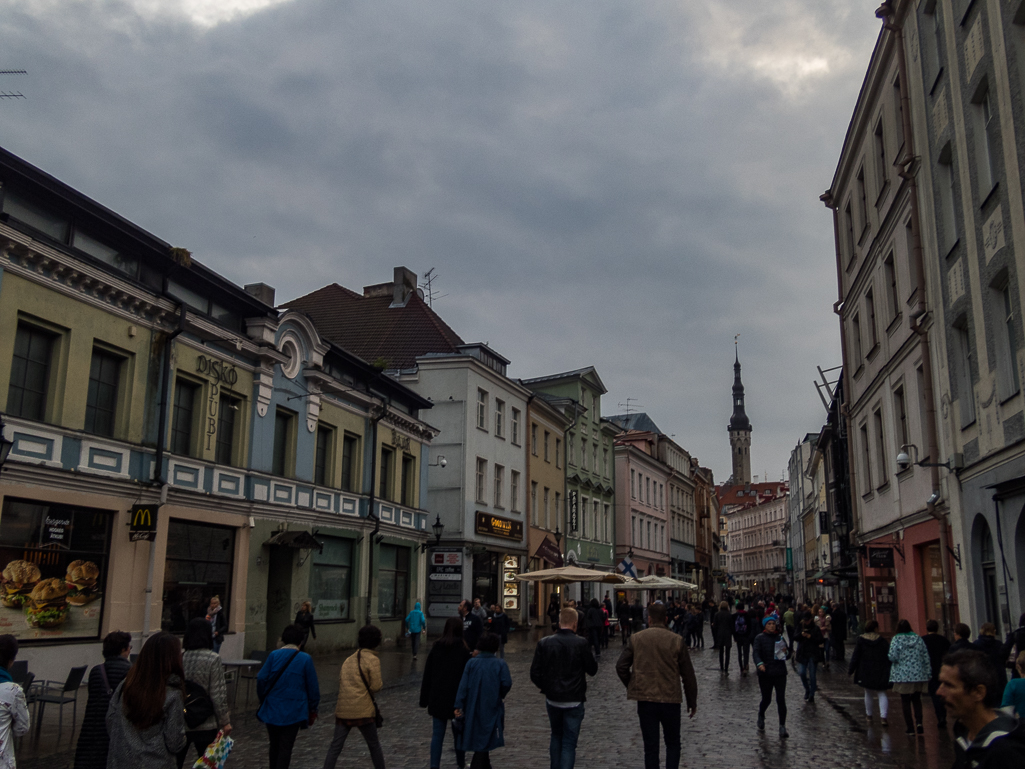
(496, 526)
(143, 524)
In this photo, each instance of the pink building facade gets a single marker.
(642, 504)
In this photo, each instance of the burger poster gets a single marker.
(52, 561)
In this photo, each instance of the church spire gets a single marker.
(740, 429)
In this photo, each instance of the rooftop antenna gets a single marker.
(628, 405)
(12, 94)
(427, 287)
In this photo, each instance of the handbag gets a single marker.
(216, 754)
(378, 718)
(198, 705)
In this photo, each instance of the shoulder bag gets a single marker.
(198, 705)
(277, 675)
(106, 681)
(378, 718)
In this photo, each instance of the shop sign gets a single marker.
(790, 559)
(510, 585)
(143, 524)
(549, 551)
(880, 557)
(496, 526)
(574, 510)
(217, 370)
(444, 582)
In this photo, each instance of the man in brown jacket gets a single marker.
(652, 666)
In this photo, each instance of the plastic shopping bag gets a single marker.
(216, 754)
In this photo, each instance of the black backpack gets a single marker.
(198, 705)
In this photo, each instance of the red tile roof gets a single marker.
(753, 494)
(370, 328)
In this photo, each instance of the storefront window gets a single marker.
(392, 581)
(331, 579)
(54, 560)
(200, 560)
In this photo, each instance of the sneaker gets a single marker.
(761, 723)
(883, 722)
(783, 733)
(811, 698)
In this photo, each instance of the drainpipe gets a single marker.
(906, 163)
(158, 471)
(370, 507)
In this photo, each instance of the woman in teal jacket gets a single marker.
(485, 683)
(910, 672)
(415, 624)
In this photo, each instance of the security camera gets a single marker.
(443, 462)
(903, 460)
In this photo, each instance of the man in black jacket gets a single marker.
(937, 645)
(472, 626)
(558, 670)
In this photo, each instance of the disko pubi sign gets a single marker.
(496, 526)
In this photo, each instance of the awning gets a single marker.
(568, 574)
(549, 551)
(300, 540)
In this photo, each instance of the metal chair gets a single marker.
(249, 675)
(18, 671)
(56, 693)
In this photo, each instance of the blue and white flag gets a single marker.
(627, 568)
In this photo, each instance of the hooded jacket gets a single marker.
(910, 659)
(870, 662)
(998, 745)
(415, 620)
(764, 653)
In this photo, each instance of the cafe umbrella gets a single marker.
(565, 575)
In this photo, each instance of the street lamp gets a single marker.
(5, 445)
(558, 538)
(437, 527)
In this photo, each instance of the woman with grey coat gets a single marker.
(203, 666)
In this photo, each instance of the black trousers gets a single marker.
(907, 702)
(481, 760)
(281, 740)
(938, 703)
(666, 715)
(724, 656)
(200, 739)
(767, 684)
(743, 654)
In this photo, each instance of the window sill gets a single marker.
(950, 249)
(894, 324)
(873, 352)
(936, 81)
(989, 195)
(884, 487)
(482, 429)
(859, 371)
(1010, 396)
(882, 193)
(864, 234)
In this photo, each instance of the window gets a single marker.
(558, 509)
(284, 455)
(572, 450)
(848, 234)
(548, 509)
(607, 537)
(649, 535)
(386, 473)
(882, 168)
(987, 143)
(870, 311)
(884, 476)
(856, 341)
(633, 530)
(594, 458)
(37, 217)
(647, 490)
(101, 401)
(583, 453)
(605, 462)
(596, 507)
(30, 373)
(893, 294)
(331, 579)
(966, 393)
(224, 448)
(633, 485)
(534, 514)
(409, 480)
(945, 186)
(182, 418)
(514, 490)
(1007, 348)
(350, 454)
(533, 439)
(866, 458)
(499, 475)
(900, 410)
(558, 452)
(482, 469)
(322, 460)
(516, 427)
(199, 565)
(548, 438)
(392, 581)
(584, 523)
(499, 418)
(482, 409)
(863, 207)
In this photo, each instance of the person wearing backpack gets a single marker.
(742, 635)
(91, 751)
(722, 632)
(205, 691)
(289, 695)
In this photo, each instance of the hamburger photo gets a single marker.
(19, 578)
(81, 582)
(47, 606)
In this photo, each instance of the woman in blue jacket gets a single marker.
(415, 624)
(485, 683)
(289, 695)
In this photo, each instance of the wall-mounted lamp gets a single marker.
(442, 462)
(438, 528)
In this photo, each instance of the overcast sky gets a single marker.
(619, 184)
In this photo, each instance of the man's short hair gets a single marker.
(656, 614)
(568, 617)
(988, 628)
(975, 669)
(932, 626)
(963, 630)
(116, 642)
(489, 642)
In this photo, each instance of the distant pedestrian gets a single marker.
(553, 612)
(870, 666)
(997, 652)
(358, 681)
(722, 633)
(937, 646)
(560, 668)
(742, 635)
(480, 702)
(480, 611)
(442, 674)
(652, 666)
(218, 621)
(304, 621)
(595, 626)
(636, 615)
(203, 666)
(91, 752)
(289, 695)
(985, 738)
(14, 718)
(1014, 692)
(500, 626)
(146, 716)
(809, 654)
(416, 624)
(790, 624)
(623, 615)
(962, 638)
(770, 652)
(472, 625)
(910, 673)
(825, 625)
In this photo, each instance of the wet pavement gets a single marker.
(832, 732)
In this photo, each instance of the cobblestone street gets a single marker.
(830, 733)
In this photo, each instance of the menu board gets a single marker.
(510, 585)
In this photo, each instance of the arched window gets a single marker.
(986, 590)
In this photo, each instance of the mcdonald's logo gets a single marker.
(143, 523)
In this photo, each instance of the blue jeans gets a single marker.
(807, 672)
(437, 738)
(565, 730)
(667, 715)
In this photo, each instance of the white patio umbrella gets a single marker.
(565, 575)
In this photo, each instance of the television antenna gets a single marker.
(630, 405)
(428, 287)
(12, 94)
